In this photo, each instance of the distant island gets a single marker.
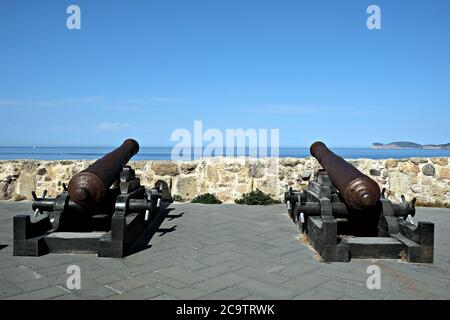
(409, 145)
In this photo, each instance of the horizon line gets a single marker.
(164, 146)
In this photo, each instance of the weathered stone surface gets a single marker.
(165, 168)
(26, 184)
(212, 173)
(229, 178)
(6, 189)
(41, 171)
(186, 187)
(419, 160)
(391, 163)
(268, 185)
(444, 173)
(428, 170)
(290, 162)
(399, 183)
(188, 167)
(306, 175)
(440, 161)
(256, 170)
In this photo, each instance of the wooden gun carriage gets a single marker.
(344, 215)
(103, 210)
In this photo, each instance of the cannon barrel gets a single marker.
(358, 190)
(89, 187)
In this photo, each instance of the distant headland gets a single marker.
(409, 145)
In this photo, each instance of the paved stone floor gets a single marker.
(222, 252)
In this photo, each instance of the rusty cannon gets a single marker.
(358, 190)
(343, 214)
(104, 210)
(89, 187)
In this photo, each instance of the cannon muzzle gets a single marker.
(358, 190)
(89, 187)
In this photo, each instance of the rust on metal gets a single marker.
(89, 187)
(358, 190)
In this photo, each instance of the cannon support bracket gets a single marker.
(59, 225)
(339, 233)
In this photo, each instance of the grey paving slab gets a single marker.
(222, 268)
(145, 292)
(229, 293)
(305, 282)
(222, 252)
(182, 275)
(318, 294)
(68, 296)
(265, 290)
(221, 282)
(262, 275)
(188, 293)
(8, 289)
(163, 297)
(46, 293)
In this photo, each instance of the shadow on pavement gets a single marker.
(153, 228)
(175, 216)
(163, 231)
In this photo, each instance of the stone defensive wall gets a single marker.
(427, 179)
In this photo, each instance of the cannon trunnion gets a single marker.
(341, 223)
(109, 220)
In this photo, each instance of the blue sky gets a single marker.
(145, 68)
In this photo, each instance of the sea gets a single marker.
(165, 153)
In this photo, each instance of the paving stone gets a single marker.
(143, 269)
(109, 277)
(8, 289)
(46, 293)
(220, 282)
(96, 292)
(60, 279)
(255, 297)
(230, 293)
(315, 294)
(259, 263)
(33, 285)
(305, 282)
(266, 290)
(296, 269)
(145, 292)
(68, 296)
(219, 258)
(191, 263)
(257, 274)
(426, 288)
(128, 284)
(357, 290)
(214, 271)
(183, 293)
(182, 275)
(163, 297)
(172, 283)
